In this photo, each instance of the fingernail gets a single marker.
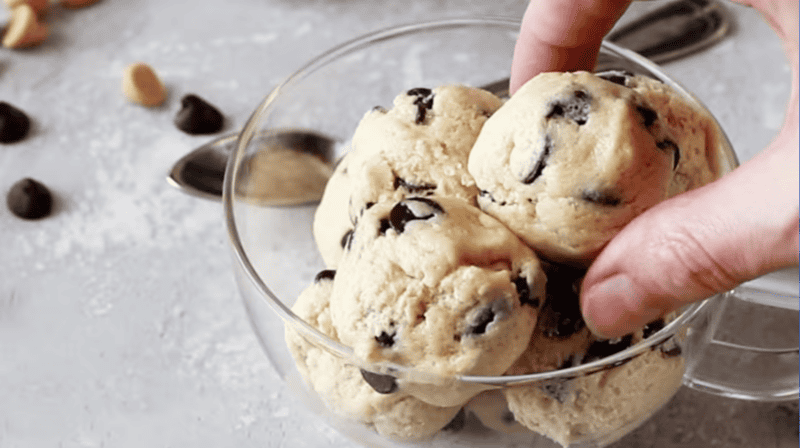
(610, 308)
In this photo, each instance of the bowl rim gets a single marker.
(319, 339)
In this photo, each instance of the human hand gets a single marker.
(701, 242)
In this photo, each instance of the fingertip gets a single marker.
(615, 306)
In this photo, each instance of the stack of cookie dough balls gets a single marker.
(456, 232)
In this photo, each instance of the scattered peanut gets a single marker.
(141, 85)
(39, 6)
(24, 30)
(74, 4)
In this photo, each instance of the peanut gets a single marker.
(39, 6)
(24, 30)
(141, 85)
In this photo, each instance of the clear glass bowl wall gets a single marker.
(274, 250)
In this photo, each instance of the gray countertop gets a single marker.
(120, 322)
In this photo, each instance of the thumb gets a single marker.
(698, 243)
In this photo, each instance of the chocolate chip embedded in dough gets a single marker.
(538, 161)
(620, 77)
(399, 182)
(327, 274)
(603, 348)
(670, 348)
(381, 383)
(197, 116)
(424, 102)
(385, 339)
(457, 423)
(652, 328)
(413, 209)
(525, 295)
(29, 199)
(479, 323)
(347, 240)
(668, 144)
(14, 124)
(561, 315)
(649, 116)
(577, 107)
(600, 198)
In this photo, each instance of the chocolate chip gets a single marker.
(652, 328)
(412, 209)
(576, 108)
(424, 102)
(486, 194)
(14, 124)
(670, 348)
(327, 274)
(676, 152)
(648, 115)
(457, 423)
(524, 291)
(561, 315)
(603, 348)
(380, 109)
(620, 77)
(197, 116)
(381, 383)
(399, 182)
(29, 199)
(600, 198)
(508, 418)
(539, 161)
(385, 339)
(347, 240)
(495, 311)
(556, 388)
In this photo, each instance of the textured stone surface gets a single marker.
(120, 323)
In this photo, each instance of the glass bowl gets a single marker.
(276, 258)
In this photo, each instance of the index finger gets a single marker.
(562, 35)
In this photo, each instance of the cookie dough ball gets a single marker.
(418, 147)
(569, 160)
(698, 138)
(602, 405)
(342, 386)
(435, 284)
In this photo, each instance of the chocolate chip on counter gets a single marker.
(458, 422)
(412, 209)
(576, 108)
(197, 116)
(14, 124)
(539, 161)
(29, 199)
(381, 383)
(600, 198)
(327, 274)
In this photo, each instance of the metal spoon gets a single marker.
(296, 163)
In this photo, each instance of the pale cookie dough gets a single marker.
(418, 147)
(604, 405)
(697, 135)
(435, 284)
(569, 160)
(342, 386)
